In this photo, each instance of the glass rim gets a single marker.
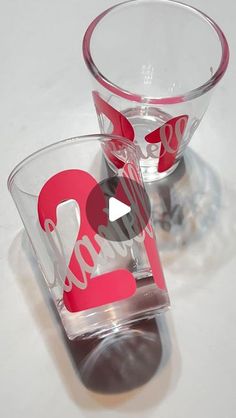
(62, 143)
(126, 94)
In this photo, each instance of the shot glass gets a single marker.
(99, 283)
(154, 64)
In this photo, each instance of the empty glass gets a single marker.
(97, 284)
(154, 64)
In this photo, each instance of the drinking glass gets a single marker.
(98, 285)
(154, 64)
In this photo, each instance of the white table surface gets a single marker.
(45, 96)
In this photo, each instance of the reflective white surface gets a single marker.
(45, 96)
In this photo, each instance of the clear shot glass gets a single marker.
(154, 64)
(99, 282)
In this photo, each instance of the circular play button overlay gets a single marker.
(118, 208)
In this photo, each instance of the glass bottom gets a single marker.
(148, 301)
(150, 173)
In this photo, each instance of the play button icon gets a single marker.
(118, 208)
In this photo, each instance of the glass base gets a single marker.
(147, 302)
(150, 173)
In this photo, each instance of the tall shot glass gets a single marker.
(98, 283)
(154, 64)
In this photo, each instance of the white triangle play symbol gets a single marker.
(117, 209)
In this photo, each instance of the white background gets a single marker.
(45, 96)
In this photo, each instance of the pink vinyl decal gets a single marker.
(84, 293)
(121, 126)
(136, 195)
(170, 136)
